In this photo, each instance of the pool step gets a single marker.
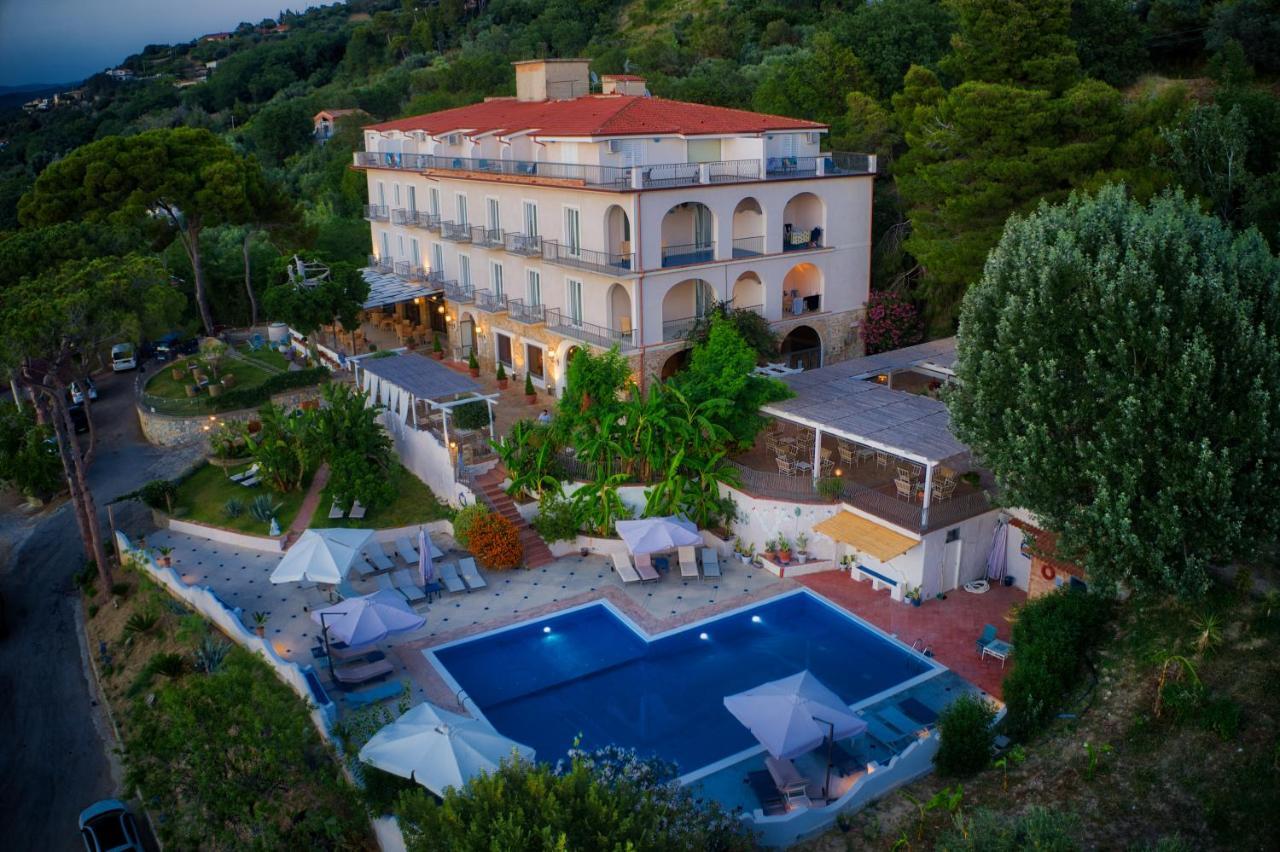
(489, 490)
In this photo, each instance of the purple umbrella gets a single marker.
(426, 567)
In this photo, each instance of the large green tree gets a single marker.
(1116, 371)
(187, 176)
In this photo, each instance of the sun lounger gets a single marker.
(688, 562)
(407, 551)
(377, 557)
(449, 576)
(771, 801)
(374, 694)
(470, 574)
(336, 511)
(411, 590)
(791, 784)
(710, 562)
(357, 511)
(251, 481)
(626, 571)
(339, 651)
(248, 473)
(362, 673)
(345, 591)
(386, 584)
(644, 567)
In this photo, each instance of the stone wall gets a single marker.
(166, 430)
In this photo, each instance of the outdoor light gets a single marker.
(755, 619)
(546, 630)
(839, 472)
(703, 636)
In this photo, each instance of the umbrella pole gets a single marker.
(831, 744)
(324, 635)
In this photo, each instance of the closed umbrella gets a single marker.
(439, 749)
(321, 556)
(998, 558)
(369, 618)
(656, 535)
(426, 551)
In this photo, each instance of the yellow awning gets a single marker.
(867, 536)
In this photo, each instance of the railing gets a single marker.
(482, 236)
(748, 246)
(683, 255)
(731, 171)
(459, 233)
(523, 244)
(777, 486)
(487, 300)
(521, 311)
(601, 261)
(464, 293)
(589, 332)
(801, 305)
(380, 264)
(400, 216)
(426, 221)
(848, 163)
(615, 177)
(401, 268)
(755, 309)
(680, 329)
(376, 212)
(671, 174)
(797, 240)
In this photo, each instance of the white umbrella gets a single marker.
(655, 535)
(794, 715)
(439, 749)
(426, 551)
(998, 556)
(368, 619)
(321, 556)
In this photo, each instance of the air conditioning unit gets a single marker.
(453, 139)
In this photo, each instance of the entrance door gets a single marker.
(504, 350)
(533, 357)
(467, 336)
(951, 564)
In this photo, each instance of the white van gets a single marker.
(123, 357)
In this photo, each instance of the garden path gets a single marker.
(309, 503)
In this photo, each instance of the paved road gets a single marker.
(53, 752)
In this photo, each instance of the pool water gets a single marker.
(586, 672)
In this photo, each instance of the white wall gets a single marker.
(427, 459)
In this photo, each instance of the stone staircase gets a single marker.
(488, 487)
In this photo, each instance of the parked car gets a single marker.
(123, 357)
(79, 388)
(109, 827)
(173, 344)
(78, 418)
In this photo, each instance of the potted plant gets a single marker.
(502, 376)
(771, 549)
(260, 624)
(437, 351)
(473, 364)
(530, 394)
(802, 547)
(784, 550)
(912, 595)
(164, 557)
(746, 553)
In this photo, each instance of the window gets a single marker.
(495, 219)
(573, 231)
(396, 187)
(533, 360)
(386, 246)
(437, 258)
(462, 209)
(433, 199)
(464, 271)
(417, 255)
(953, 535)
(399, 245)
(504, 348)
(495, 278)
(702, 229)
(530, 219)
(382, 193)
(702, 299)
(574, 301)
(413, 198)
(533, 287)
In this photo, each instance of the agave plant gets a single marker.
(210, 654)
(262, 509)
(233, 508)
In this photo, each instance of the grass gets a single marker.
(414, 504)
(163, 385)
(265, 355)
(202, 495)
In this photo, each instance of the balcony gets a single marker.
(489, 301)
(458, 233)
(379, 264)
(607, 177)
(376, 213)
(798, 240)
(687, 254)
(522, 312)
(522, 244)
(461, 293)
(400, 216)
(748, 246)
(680, 329)
(487, 237)
(597, 335)
(610, 263)
(426, 221)
(795, 305)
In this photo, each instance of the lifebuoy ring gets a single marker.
(1046, 571)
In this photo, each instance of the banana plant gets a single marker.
(598, 504)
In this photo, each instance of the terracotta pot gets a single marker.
(474, 371)
(261, 631)
(166, 561)
(502, 384)
(784, 555)
(439, 356)
(531, 398)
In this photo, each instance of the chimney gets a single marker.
(623, 84)
(552, 79)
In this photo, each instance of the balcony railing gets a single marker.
(459, 233)
(680, 329)
(490, 237)
(381, 264)
(376, 212)
(521, 311)
(597, 335)
(798, 240)
(801, 305)
(400, 216)
(426, 221)
(748, 246)
(487, 300)
(614, 177)
(755, 309)
(522, 244)
(689, 253)
(601, 261)
(462, 293)
(731, 171)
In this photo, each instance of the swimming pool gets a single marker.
(588, 671)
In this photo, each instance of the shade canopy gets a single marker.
(321, 556)
(439, 749)
(794, 715)
(655, 535)
(865, 536)
(368, 619)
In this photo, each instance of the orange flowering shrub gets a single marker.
(495, 541)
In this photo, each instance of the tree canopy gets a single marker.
(1115, 368)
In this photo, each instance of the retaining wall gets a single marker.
(168, 430)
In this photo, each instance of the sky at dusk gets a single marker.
(61, 41)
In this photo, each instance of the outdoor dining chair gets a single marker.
(882, 459)
(904, 488)
(846, 454)
(785, 466)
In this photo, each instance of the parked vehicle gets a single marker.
(108, 826)
(173, 344)
(78, 418)
(79, 389)
(123, 357)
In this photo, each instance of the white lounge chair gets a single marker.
(471, 574)
(710, 562)
(644, 567)
(688, 562)
(336, 511)
(407, 551)
(410, 589)
(626, 571)
(377, 557)
(449, 576)
(357, 511)
(251, 481)
(363, 672)
(386, 584)
(248, 473)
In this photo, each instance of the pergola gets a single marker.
(400, 381)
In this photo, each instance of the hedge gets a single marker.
(252, 397)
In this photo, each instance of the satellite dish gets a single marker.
(595, 81)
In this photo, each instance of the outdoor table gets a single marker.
(433, 590)
(999, 649)
(661, 563)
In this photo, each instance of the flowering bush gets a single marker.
(496, 542)
(464, 518)
(891, 322)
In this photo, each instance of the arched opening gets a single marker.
(683, 305)
(802, 290)
(617, 235)
(804, 220)
(748, 228)
(802, 347)
(688, 234)
(619, 301)
(467, 334)
(748, 293)
(675, 363)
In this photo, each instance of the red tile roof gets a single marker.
(597, 115)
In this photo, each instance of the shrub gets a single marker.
(495, 541)
(462, 521)
(1053, 635)
(557, 518)
(233, 508)
(473, 415)
(502, 372)
(830, 487)
(210, 654)
(891, 322)
(965, 729)
(1038, 828)
(528, 385)
(262, 509)
(158, 494)
(435, 343)
(251, 397)
(140, 623)
(472, 362)
(119, 589)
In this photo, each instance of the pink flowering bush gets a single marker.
(891, 322)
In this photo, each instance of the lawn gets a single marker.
(163, 385)
(202, 495)
(414, 504)
(267, 355)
